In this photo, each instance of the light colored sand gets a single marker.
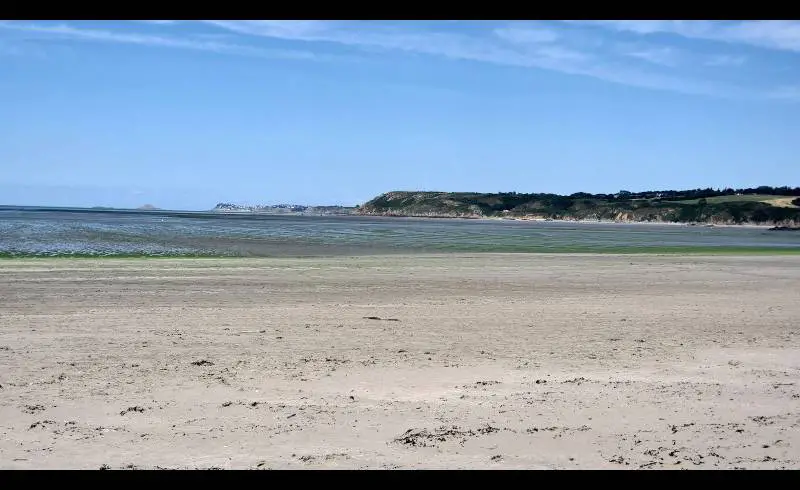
(497, 361)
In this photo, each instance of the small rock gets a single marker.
(132, 409)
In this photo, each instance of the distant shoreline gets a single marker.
(582, 222)
(248, 213)
(243, 213)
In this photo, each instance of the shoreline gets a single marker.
(564, 252)
(237, 213)
(577, 221)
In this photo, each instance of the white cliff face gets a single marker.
(281, 209)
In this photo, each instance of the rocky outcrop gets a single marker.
(292, 209)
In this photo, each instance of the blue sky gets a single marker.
(184, 114)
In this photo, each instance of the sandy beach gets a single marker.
(451, 361)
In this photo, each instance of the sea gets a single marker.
(40, 231)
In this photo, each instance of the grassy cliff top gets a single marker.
(758, 205)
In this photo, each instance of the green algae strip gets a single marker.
(637, 250)
(444, 249)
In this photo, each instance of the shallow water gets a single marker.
(48, 232)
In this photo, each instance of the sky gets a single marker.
(186, 114)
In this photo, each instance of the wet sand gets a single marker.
(453, 361)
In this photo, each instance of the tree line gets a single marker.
(692, 193)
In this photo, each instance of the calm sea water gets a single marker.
(43, 231)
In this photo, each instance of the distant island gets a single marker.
(779, 206)
(288, 209)
(147, 207)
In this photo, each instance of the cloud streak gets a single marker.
(725, 60)
(774, 34)
(96, 35)
(159, 22)
(581, 48)
(659, 56)
(530, 47)
(526, 36)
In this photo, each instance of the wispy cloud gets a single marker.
(534, 47)
(449, 44)
(774, 34)
(594, 49)
(663, 55)
(725, 60)
(157, 41)
(526, 36)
